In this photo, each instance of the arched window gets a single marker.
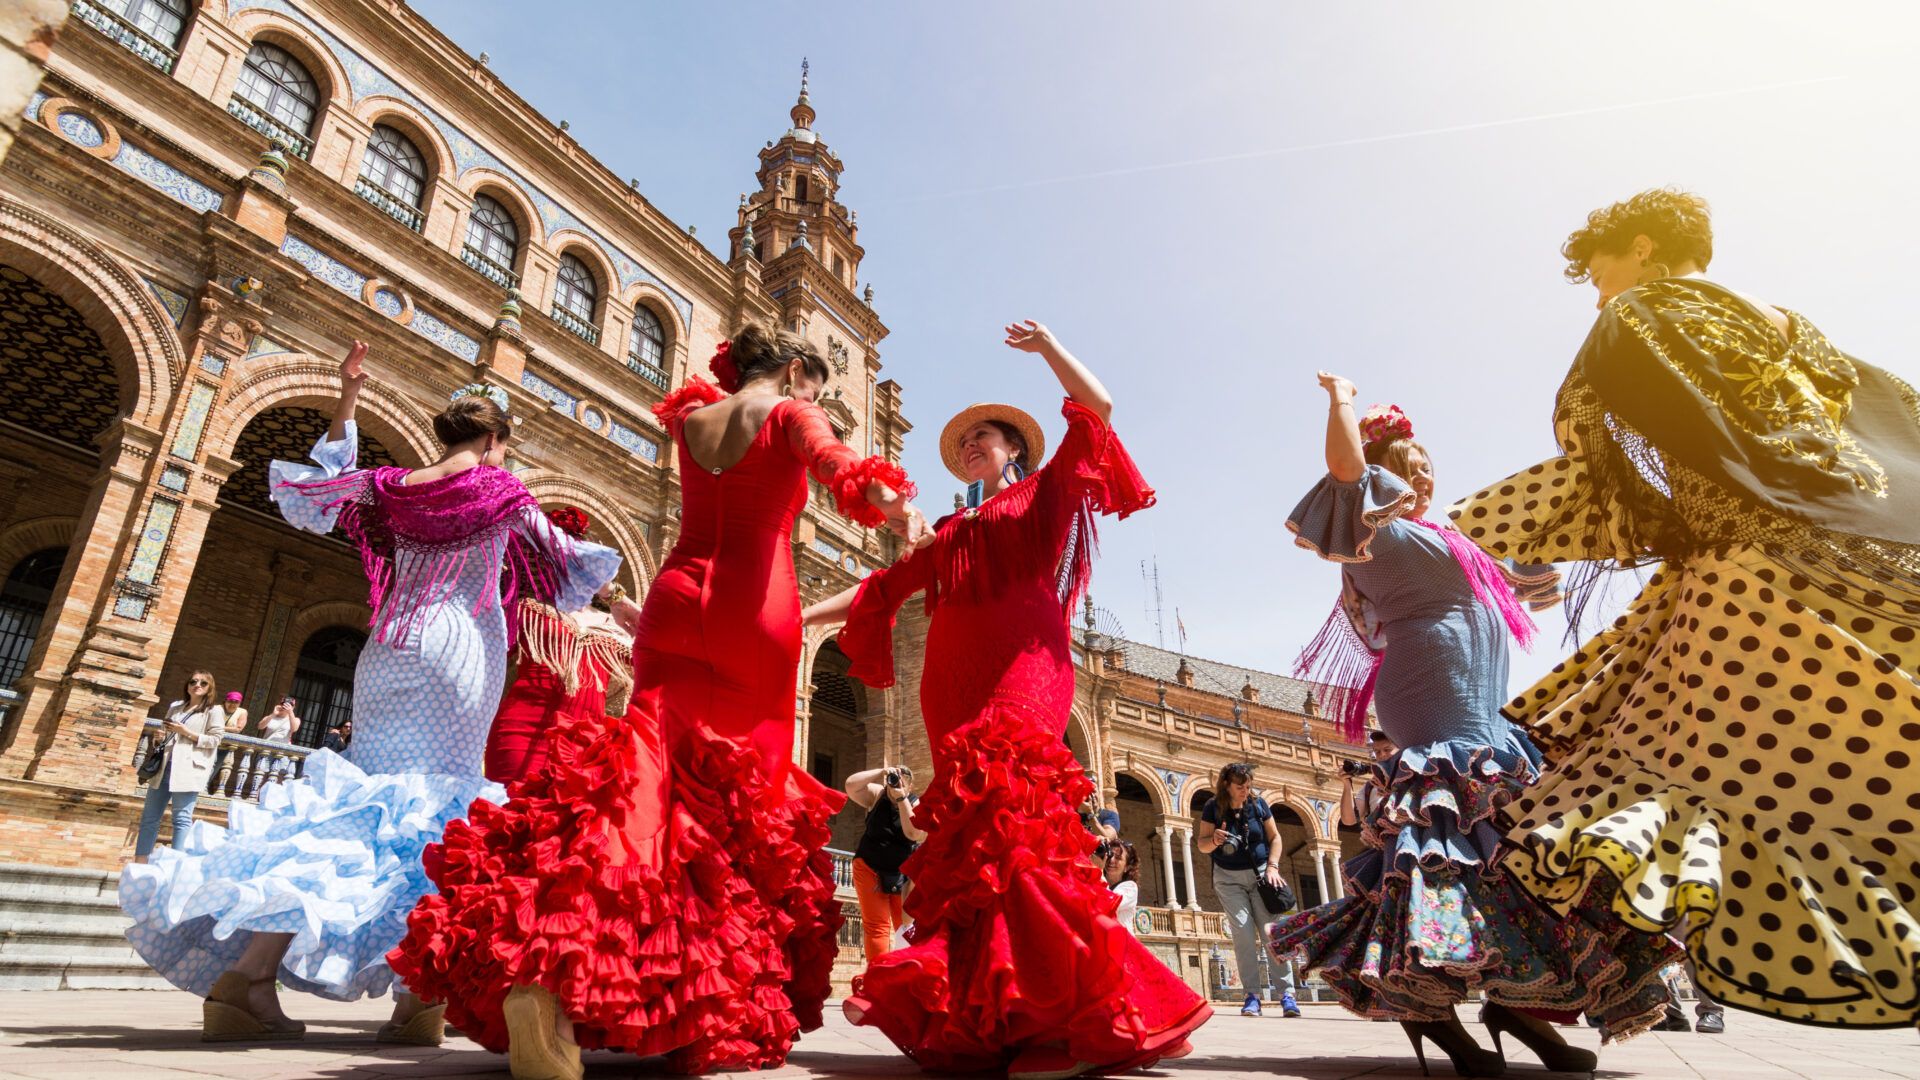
(277, 97)
(574, 292)
(647, 346)
(492, 241)
(323, 681)
(149, 29)
(23, 603)
(393, 176)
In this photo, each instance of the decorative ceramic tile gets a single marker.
(167, 179)
(130, 607)
(175, 303)
(38, 99)
(153, 541)
(329, 270)
(367, 80)
(628, 439)
(270, 650)
(388, 303)
(593, 418)
(80, 130)
(173, 478)
(832, 553)
(444, 336)
(262, 345)
(213, 364)
(186, 441)
(545, 389)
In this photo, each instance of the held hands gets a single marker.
(352, 373)
(903, 518)
(1340, 391)
(1032, 337)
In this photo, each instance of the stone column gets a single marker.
(1193, 853)
(1166, 863)
(1339, 886)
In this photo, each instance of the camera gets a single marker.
(1355, 768)
(893, 778)
(1103, 849)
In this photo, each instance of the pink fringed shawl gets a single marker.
(1343, 660)
(443, 522)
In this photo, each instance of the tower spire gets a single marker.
(802, 109)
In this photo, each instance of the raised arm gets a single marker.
(1346, 462)
(353, 376)
(1079, 383)
(872, 490)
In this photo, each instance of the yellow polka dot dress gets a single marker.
(1738, 749)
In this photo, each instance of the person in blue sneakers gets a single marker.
(1237, 830)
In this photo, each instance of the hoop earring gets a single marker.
(1653, 271)
(786, 389)
(1019, 472)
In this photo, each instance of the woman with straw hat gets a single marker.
(1015, 960)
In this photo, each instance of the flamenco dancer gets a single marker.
(1016, 960)
(594, 909)
(313, 886)
(1732, 759)
(1421, 633)
(564, 661)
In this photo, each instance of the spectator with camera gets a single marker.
(1237, 829)
(1120, 865)
(1358, 804)
(888, 838)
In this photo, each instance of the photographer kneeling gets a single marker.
(889, 837)
(1238, 831)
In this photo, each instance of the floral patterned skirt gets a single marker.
(1431, 920)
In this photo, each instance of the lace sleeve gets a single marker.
(843, 472)
(867, 639)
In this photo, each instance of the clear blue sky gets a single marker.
(1209, 201)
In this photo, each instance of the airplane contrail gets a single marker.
(1366, 140)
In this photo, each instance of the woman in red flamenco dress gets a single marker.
(578, 662)
(1015, 960)
(696, 918)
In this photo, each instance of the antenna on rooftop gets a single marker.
(1151, 579)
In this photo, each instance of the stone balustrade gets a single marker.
(245, 766)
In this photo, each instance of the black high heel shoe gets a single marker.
(1556, 1056)
(1467, 1057)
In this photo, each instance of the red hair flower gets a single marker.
(570, 520)
(725, 372)
(1385, 423)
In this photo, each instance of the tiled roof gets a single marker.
(1276, 691)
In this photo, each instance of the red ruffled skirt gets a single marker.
(1014, 947)
(702, 926)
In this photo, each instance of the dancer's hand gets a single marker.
(1032, 337)
(1339, 391)
(352, 371)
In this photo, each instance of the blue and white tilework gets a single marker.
(444, 336)
(334, 857)
(175, 303)
(388, 303)
(367, 80)
(327, 269)
(634, 442)
(38, 99)
(560, 398)
(80, 129)
(166, 179)
(262, 345)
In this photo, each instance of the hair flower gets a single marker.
(570, 520)
(726, 374)
(1384, 423)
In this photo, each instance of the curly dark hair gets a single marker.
(1676, 221)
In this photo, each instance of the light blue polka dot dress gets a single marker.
(334, 857)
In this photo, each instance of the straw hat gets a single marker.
(966, 418)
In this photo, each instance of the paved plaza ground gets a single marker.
(107, 1035)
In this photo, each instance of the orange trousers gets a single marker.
(880, 913)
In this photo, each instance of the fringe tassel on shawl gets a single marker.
(549, 638)
(1345, 668)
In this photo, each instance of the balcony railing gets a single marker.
(407, 215)
(243, 110)
(127, 35)
(580, 327)
(492, 271)
(649, 371)
(842, 868)
(245, 765)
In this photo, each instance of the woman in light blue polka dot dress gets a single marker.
(312, 887)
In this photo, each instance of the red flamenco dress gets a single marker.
(554, 675)
(1015, 958)
(693, 917)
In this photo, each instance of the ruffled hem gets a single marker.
(705, 930)
(697, 391)
(1014, 945)
(1337, 521)
(333, 858)
(850, 485)
(1432, 920)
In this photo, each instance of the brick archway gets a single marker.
(401, 426)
